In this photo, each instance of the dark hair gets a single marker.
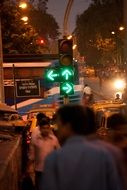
(116, 120)
(44, 121)
(40, 116)
(78, 117)
(91, 124)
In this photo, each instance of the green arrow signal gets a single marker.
(66, 73)
(67, 88)
(51, 75)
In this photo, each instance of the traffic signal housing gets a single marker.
(66, 66)
(65, 52)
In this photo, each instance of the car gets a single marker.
(48, 110)
(16, 120)
(104, 109)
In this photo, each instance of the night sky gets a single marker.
(57, 9)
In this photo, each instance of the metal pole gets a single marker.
(15, 103)
(66, 16)
(125, 25)
(66, 100)
(2, 97)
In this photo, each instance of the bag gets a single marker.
(27, 183)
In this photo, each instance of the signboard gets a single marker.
(28, 88)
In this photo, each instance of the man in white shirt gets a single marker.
(43, 142)
(87, 97)
(87, 90)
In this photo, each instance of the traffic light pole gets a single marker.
(66, 99)
(15, 103)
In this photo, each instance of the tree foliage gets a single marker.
(21, 38)
(94, 27)
(44, 23)
(17, 37)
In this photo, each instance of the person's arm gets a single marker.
(31, 158)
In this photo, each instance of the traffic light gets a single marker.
(66, 72)
(66, 88)
(52, 75)
(65, 52)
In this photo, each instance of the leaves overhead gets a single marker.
(44, 24)
(94, 27)
(23, 38)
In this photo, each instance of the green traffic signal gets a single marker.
(52, 75)
(66, 88)
(66, 74)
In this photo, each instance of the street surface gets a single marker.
(107, 91)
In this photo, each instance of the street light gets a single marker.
(113, 32)
(23, 5)
(69, 37)
(74, 46)
(24, 18)
(121, 28)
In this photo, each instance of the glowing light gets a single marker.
(119, 84)
(74, 46)
(121, 28)
(41, 41)
(23, 5)
(113, 32)
(25, 18)
(69, 37)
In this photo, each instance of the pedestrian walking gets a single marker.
(79, 164)
(116, 122)
(42, 144)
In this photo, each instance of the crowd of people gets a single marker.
(77, 158)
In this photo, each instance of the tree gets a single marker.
(94, 26)
(44, 23)
(40, 4)
(17, 37)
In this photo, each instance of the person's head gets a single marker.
(91, 124)
(73, 120)
(116, 121)
(117, 96)
(117, 125)
(44, 126)
(39, 117)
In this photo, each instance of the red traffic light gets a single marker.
(41, 41)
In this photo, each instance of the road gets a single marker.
(107, 90)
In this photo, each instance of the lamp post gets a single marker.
(66, 16)
(2, 96)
